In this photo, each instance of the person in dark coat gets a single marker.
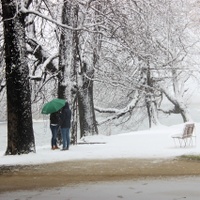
(54, 126)
(65, 126)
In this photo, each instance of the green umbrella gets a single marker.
(53, 106)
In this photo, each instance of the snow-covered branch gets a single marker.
(119, 112)
(42, 85)
(41, 54)
(81, 27)
(179, 105)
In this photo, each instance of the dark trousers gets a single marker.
(54, 131)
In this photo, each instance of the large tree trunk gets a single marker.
(20, 128)
(67, 51)
(68, 62)
(88, 125)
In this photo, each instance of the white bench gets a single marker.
(186, 137)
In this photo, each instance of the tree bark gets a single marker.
(150, 98)
(88, 125)
(70, 82)
(19, 115)
(67, 51)
(68, 59)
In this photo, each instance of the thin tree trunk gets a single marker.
(150, 99)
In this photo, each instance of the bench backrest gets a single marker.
(188, 130)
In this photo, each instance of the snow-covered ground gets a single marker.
(153, 143)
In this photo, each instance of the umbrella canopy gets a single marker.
(53, 106)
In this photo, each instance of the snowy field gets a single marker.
(153, 143)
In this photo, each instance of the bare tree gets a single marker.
(152, 40)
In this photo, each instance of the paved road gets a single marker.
(156, 189)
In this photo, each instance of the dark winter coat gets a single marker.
(55, 118)
(66, 117)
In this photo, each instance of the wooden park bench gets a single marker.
(186, 137)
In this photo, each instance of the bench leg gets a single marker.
(182, 142)
(189, 141)
(193, 141)
(175, 143)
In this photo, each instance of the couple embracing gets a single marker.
(61, 119)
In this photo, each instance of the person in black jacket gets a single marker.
(54, 125)
(65, 126)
